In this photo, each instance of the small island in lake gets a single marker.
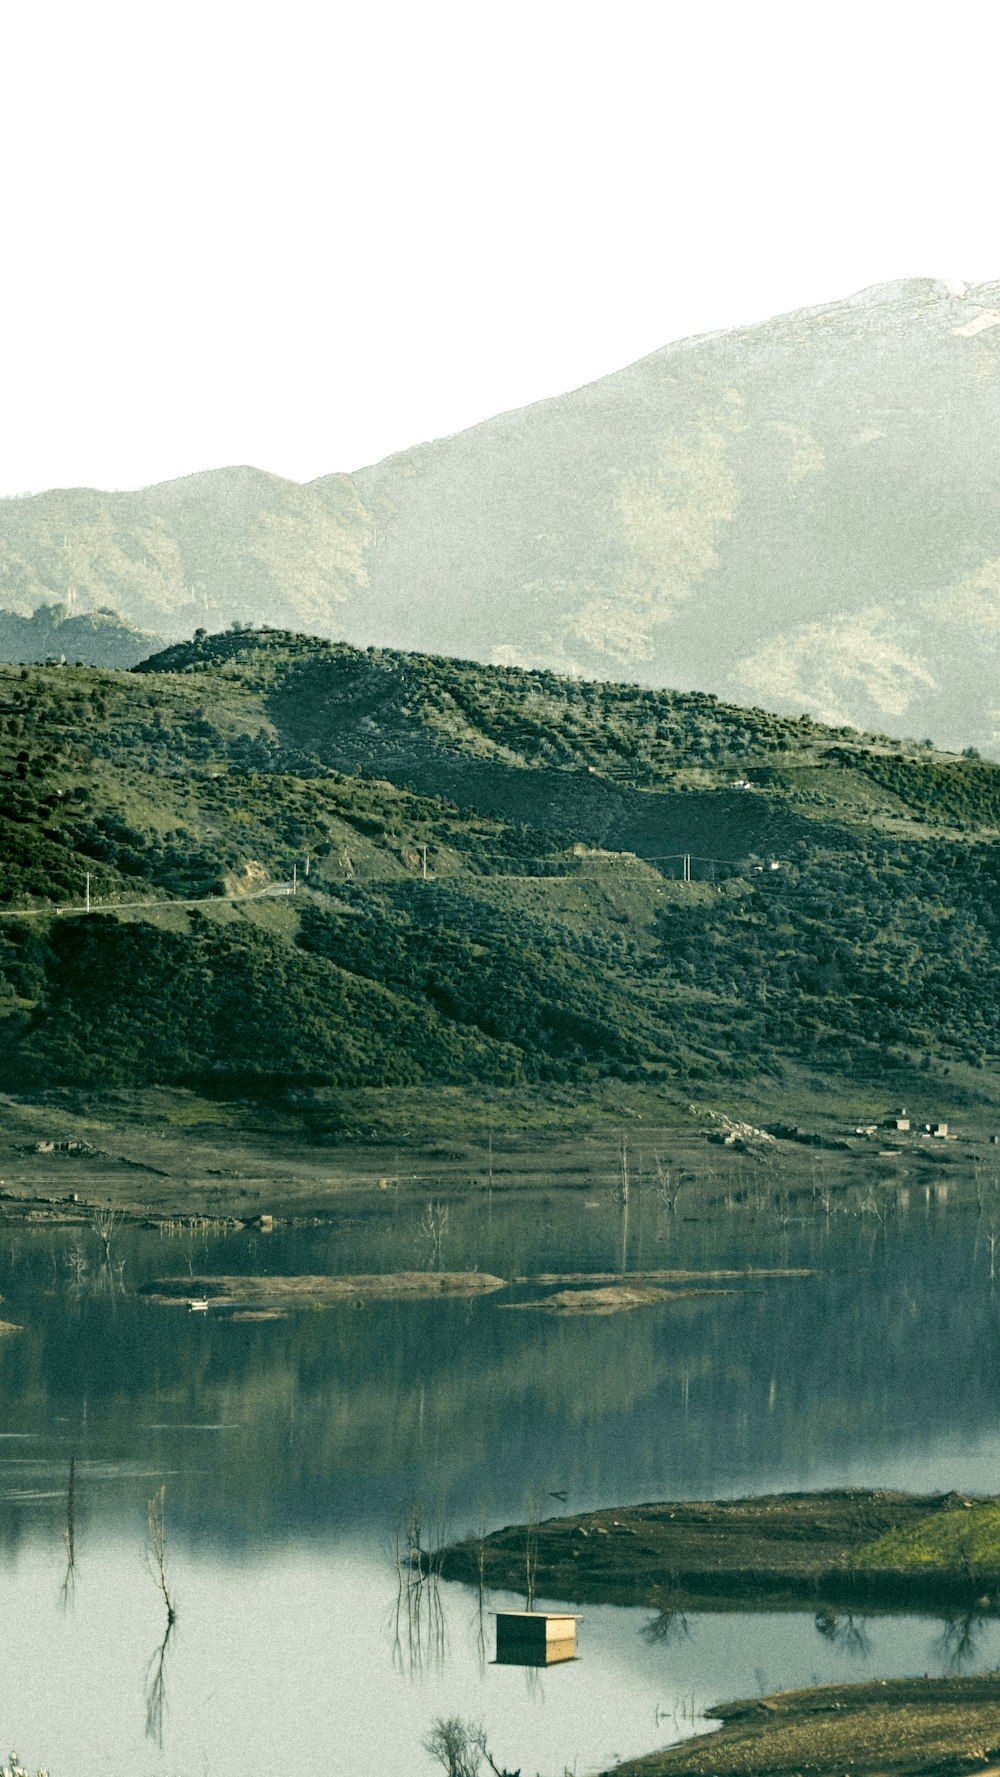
(880, 1549)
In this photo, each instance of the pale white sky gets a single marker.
(304, 236)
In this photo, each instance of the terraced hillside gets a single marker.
(491, 870)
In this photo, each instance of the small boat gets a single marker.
(198, 1305)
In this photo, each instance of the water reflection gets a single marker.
(959, 1645)
(667, 1626)
(418, 1620)
(295, 1448)
(67, 1591)
(844, 1630)
(156, 1687)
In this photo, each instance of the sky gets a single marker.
(305, 236)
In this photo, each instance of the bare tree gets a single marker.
(667, 1187)
(68, 1589)
(623, 1182)
(456, 1744)
(157, 1525)
(77, 1264)
(106, 1221)
(460, 1746)
(433, 1227)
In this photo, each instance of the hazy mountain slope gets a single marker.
(803, 513)
(493, 890)
(228, 544)
(93, 638)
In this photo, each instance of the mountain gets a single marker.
(506, 877)
(802, 513)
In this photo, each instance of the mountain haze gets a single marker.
(801, 514)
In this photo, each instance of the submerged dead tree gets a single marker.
(106, 1221)
(69, 1538)
(157, 1554)
(433, 1227)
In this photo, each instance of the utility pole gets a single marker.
(87, 892)
(295, 879)
(423, 861)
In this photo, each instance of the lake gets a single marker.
(293, 1452)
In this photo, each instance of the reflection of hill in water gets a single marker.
(346, 1417)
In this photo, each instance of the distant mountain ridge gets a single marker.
(801, 514)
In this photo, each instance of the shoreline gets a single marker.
(167, 1155)
(880, 1551)
(934, 1727)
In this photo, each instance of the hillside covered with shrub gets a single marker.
(490, 873)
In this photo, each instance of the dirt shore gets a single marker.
(931, 1727)
(171, 1154)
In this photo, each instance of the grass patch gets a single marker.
(968, 1535)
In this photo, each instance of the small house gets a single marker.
(535, 1637)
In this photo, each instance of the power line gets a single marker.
(564, 858)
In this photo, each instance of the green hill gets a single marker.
(491, 865)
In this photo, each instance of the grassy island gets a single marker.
(882, 1549)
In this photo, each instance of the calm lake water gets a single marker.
(292, 1452)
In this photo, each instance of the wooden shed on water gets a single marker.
(535, 1637)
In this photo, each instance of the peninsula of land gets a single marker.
(851, 1548)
